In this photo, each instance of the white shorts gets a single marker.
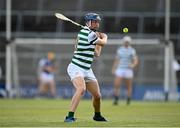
(45, 77)
(75, 71)
(124, 73)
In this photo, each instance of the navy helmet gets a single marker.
(91, 16)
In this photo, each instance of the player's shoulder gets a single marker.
(85, 29)
(132, 48)
(121, 48)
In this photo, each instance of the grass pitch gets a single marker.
(51, 113)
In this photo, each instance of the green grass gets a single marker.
(51, 113)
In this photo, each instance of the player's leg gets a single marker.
(93, 88)
(129, 89)
(43, 84)
(80, 87)
(51, 84)
(52, 87)
(42, 88)
(116, 91)
(128, 82)
(77, 78)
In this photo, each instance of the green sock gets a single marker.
(97, 114)
(71, 114)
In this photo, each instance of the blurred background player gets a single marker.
(46, 70)
(89, 44)
(126, 60)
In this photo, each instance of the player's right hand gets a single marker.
(102, 39)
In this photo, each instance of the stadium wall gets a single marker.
(140, 92)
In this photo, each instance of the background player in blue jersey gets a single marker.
(126, 60)
(89, 44)
(46, 69)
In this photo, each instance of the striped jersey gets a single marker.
(84, 53)
(125, 55)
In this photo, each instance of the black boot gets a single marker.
(98, 117)
(115, 102)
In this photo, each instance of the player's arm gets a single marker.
(40, 67)
(98, 47)
(134, 62)
(115, 64)
(49, 68)
(98, 50)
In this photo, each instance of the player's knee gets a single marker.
(97, 96)
(81, 91)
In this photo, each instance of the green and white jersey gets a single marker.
(84, 53)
